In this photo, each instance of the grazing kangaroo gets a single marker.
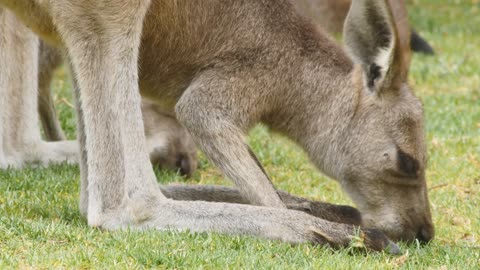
(170, 146)
(331, 14)
(224, 66)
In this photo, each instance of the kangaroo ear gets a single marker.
(371, 38)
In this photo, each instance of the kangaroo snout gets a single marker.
(425, 230)
(406, 226)
(426, 233)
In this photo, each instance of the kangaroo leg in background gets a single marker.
(49, 60)
(21, 143)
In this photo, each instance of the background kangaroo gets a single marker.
(237, 63)
(331, 14)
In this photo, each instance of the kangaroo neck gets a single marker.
(318, 116)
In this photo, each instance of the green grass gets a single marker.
(40, 226)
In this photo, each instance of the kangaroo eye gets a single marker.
(407, 165)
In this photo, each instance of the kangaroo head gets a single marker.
(385, 153)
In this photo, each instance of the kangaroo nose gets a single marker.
(426, 233)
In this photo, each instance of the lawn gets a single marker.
(41, 227)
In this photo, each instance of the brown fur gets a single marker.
(330, 14)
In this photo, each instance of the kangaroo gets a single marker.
(222, 67)
(170, 145)
(331, 14)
